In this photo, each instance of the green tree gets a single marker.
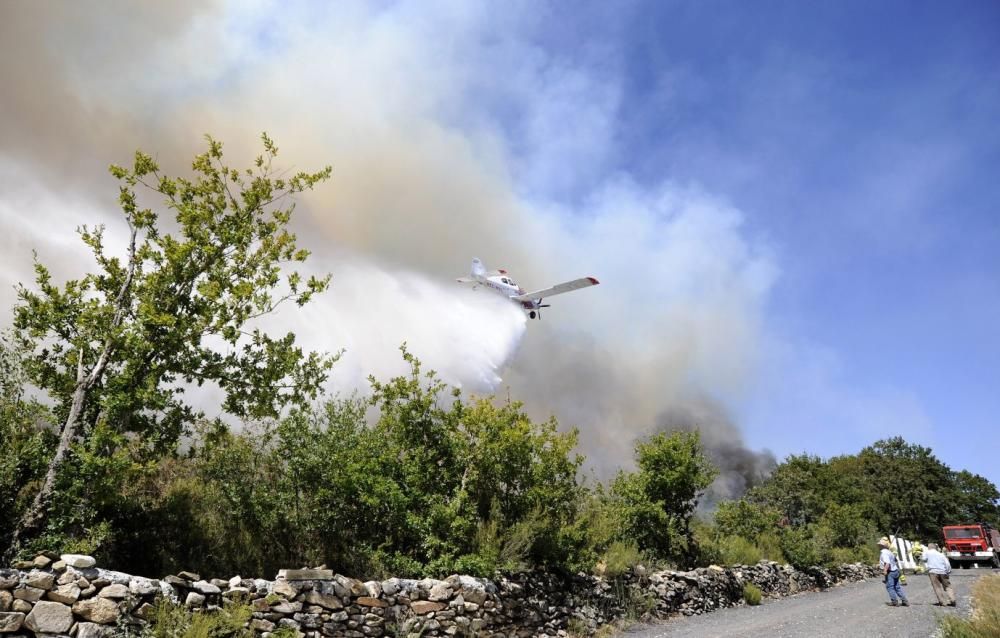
(745, 519)
(26, 441)
(657, 501)
(978, 499)
(908, 490)
(121, 345)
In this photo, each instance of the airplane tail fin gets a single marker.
(478, 269)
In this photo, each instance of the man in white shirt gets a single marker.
(938, 568)
(890, 575)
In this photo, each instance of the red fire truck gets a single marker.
(972, 545)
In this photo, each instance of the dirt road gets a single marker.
(857, 610)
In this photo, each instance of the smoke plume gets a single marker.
(452, 135)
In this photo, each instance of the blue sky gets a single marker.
(862, 141)
(792, 207)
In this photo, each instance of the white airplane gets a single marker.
(501, 283)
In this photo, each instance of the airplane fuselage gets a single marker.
(500, 282)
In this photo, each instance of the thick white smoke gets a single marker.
(451, 135)
(465, 336)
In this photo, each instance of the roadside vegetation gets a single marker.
(985, 619)
(102, 453)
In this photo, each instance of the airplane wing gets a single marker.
(558, 289)
(466, 280)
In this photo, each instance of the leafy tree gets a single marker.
(909, 491)
(656, 503)
(26, 441)
(745, 519)
(978, 499)
(121, 345)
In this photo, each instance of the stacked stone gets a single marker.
(54, 596)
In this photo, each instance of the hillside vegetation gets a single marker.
(101, 452)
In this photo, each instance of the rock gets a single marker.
(425, 606)
(143, 586)
(31, 594)
(286, 607)
(146, 611)
(374, 588)
(441, 591)
(305, 574)
(284, 588)
(65, 594)
(326, 601)
(368, 601)
(41, 562)
(49, 618)
(237, 592)
(390, 587)
(99, 610)
(115, 592)
(349, 586)
(10, 621)
(9, 578)
(260, 624)
(92, 630)
(58, 566)
(194, 599)
(191, 576)
(235, 581)
(206, 588)
(79, 561)
(67, 577)
(177, 581)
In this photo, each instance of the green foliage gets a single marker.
(985, 619)
(117, 349)
(174, 621)
(657, 502)
(620, 558)
(751, 594)
(736, 550)
(744, 518)
(26, 439)
(800, 547)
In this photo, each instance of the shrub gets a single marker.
(737, 550)
(751, 594)
(620, 558)
(174, 621)
(798, 547)
(985, 620)
(769, 545)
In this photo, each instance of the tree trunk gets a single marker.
(34, 517)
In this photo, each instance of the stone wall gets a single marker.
(69, 596)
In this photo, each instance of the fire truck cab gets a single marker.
(972, 545)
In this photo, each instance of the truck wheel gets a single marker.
(996, 562)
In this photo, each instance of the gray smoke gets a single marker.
(740, 468)
(426, 176)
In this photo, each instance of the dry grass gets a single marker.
(985, 620)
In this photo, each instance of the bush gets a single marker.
(620, 558)
(751, 594)
(798, 547)
(985, 620)
(174, 621)
(769, 545)
(736, 550)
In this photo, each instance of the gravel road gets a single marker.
(856, 610)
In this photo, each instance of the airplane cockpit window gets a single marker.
(505, 280)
